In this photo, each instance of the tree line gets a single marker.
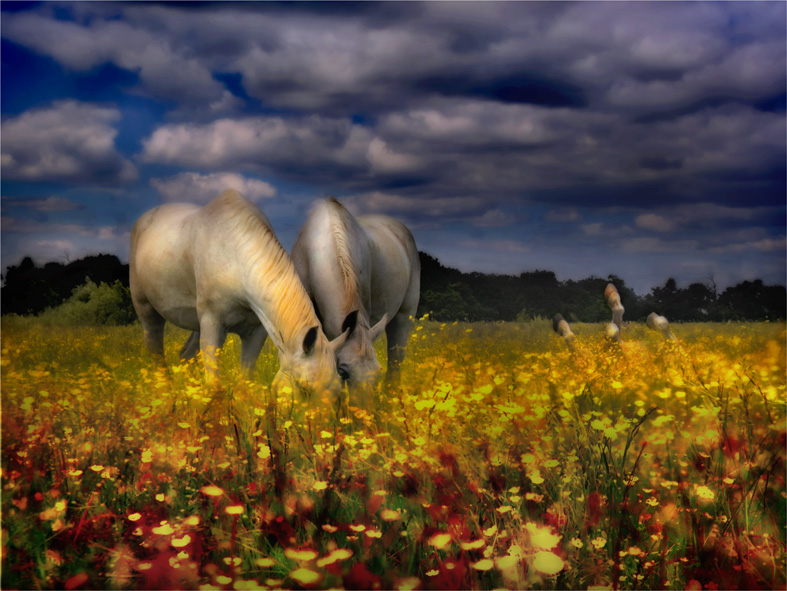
(447, 294)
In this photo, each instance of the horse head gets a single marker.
(310, 368)
(356, 359)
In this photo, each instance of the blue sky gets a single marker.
(646, 140)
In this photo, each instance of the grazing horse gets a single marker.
(219, 269)
(363, 274)
(660, 324)
(612, 332)
(561, 327)
(612, 297)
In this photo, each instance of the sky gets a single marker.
(642, 139)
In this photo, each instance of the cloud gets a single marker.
(594, 229)
(260, 143)
(386, 161)
(15, 225)
(764, 245)
(637, 126)
(164, 68)
(413, 207)
(503, 246)
(202, 188)
(68, 141)
(564, 215)
(494, 218)
(652, 221)
(49, 204)
(649, 244)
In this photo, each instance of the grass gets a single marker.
(501, 460)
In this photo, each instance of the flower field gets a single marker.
(502, 460)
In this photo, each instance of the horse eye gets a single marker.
(344, 372)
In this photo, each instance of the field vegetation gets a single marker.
(502, 460)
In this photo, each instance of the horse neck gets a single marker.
(276, 294)
(347, 237)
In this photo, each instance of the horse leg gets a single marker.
(153, 329)
(190, 347)
(252, 341)
(212, 335)
(397, 332)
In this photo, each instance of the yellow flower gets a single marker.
(474, 545)
(181, 542)
(548, 563)
(440, 541)
(235, 510)
(320, 485)
(483, 564)
(390, 515)
(542, 537)
(304, 555)
(335, 556)
(304, 576)
(211, 490)
(163, 530)
(704, 493)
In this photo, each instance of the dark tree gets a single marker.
(28, 289)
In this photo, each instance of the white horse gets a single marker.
(219, 269)
(660, 325)
(363, 274)
(561, 327)
(612, 298)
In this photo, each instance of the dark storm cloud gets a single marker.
(611, 123)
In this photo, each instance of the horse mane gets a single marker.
(268, 266)
(339, 219)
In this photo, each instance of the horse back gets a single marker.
(396, 267)
(332, 258)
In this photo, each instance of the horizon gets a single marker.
(642, 140)
(679, 284)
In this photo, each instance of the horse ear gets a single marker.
(377, 329)
(309, 340)
(337, 343)
(350, 322)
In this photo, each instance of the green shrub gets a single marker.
(93, 305)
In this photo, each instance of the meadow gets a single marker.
(502, 460)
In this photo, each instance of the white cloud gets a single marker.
(256, 142)
(193, 187)
(303, 146)
(68, 141)
(386, 161)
